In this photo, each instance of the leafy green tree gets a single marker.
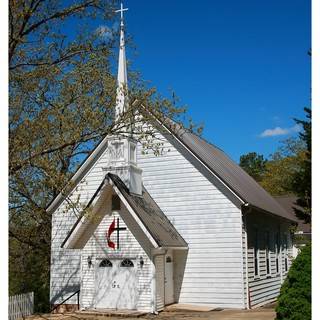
(302, 177)
(56, 86)
(294, 301)
(61, 104)
(289, 169)
(254, 164)
(282, 166)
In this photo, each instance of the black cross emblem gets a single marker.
(118, 229)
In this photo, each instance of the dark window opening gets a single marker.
(256, 258)
(286, 264)
(105, 263)
(285, 241)
(277, 252)
(126, 263)
(116, 203)
(268, 252)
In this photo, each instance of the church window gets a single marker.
(285, 242)
(256, 253)
(126, 263)
(105, 263)
(277, 251)
(267, 241)
(168, 260)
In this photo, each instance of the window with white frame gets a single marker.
(267, 247)
(285, 251)
(256, 253)
(277, 252)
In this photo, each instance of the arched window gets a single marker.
(126, 263)
(105, 263)
(168, 259)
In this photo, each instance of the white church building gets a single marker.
(188, 226)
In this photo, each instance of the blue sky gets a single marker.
(241, 67)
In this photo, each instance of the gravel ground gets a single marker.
(256, 314)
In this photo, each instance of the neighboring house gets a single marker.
(188, 226)
(302, 233)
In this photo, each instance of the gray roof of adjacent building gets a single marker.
(289, 203)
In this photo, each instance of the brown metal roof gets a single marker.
(152, 217)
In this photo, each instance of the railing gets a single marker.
(65, 300)
(21, 305)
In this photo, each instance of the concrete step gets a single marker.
(189, 307)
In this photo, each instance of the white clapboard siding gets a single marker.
(245, 263)
(21, 305)
(159, 266)
(97, 249)
(64, 280)
(66, 266)
(208, 221)
(265, 287)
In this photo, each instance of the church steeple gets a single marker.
(122, 86)
(122, 149)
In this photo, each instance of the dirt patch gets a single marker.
(255, 314)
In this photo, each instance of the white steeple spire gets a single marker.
(122, 149)
(121, 102)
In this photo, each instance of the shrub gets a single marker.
(294, 302)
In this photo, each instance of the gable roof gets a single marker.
(150, 214)
(155, 222)
(206, 156)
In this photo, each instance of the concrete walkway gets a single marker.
(256, 314)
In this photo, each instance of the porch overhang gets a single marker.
(146, 214)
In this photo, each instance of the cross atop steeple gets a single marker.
(122, 99)
(121, 10)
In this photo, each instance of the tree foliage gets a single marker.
(254, 164)
(61, 104)
(302, 178)
(294, 302)
(282, 166)
(288, 170)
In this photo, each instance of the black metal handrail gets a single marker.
(78, 301)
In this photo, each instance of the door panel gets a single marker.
(116, 285)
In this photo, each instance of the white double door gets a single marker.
(115, 284)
